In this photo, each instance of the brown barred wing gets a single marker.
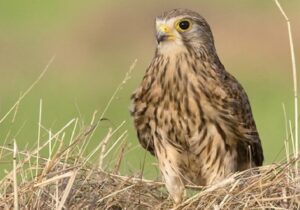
(242, 122)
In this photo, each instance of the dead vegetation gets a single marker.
(66, 180)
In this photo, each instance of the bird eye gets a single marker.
(183, 25)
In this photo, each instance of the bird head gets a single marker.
(183, 29)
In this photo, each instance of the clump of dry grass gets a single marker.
(67, 177)
(64, 179)
(67, 181)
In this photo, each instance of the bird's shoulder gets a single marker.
(235, 98)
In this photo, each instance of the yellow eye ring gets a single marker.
(183, 25)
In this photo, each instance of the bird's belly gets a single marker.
(186, 126)
(199, 148)
(208, 159)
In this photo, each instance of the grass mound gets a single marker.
(66, 180)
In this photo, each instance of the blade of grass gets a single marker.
(16, 202)
(39, 137)
(28, 90)
(294, 71)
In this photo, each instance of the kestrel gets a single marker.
(189, 112)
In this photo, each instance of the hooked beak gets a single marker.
(164, 34)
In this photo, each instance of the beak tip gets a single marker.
(161, 37)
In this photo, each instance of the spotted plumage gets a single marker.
(189, 111)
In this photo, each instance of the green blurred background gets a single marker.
(95, 42)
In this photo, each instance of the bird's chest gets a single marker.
(174, 104)
(174, 101)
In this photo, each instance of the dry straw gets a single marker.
(69, 179)
(295, 86)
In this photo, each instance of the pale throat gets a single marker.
(171, 48)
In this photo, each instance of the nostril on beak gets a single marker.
(163, 33)
(164, 29)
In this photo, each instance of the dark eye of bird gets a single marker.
(184, 24)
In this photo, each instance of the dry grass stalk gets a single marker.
(22, 96)
(294, 73)
(16, 201)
